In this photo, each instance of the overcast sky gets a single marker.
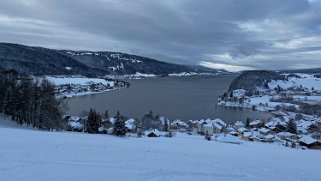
(230, 34)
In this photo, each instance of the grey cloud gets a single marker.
(250, 33)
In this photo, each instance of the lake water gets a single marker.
(173, 97)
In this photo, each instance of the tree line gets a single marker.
(28, 101)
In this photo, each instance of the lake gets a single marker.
(173, 97)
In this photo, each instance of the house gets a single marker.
(248, 136)
(75, 126)
(210, 126)
(287, 136)
(242, 130)
(256, 124)
(239, 124)
(264, 131)
(153, 133)
(217, 128)
(270, 138)
(130, 125)
(178, 125)
(218, 125)
(276, 125)
(200, 125)
(207, 128)
(106, 123)
(238, 93)
(234, 133)
(310, 142)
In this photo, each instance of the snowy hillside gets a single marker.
(77, 80)
(70, 86)
(38, 155)
(308, 81)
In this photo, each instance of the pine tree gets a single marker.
(247, 124)
(166, 125)
(92, 122)
(291, 126)
(119, 126)
(106, 115)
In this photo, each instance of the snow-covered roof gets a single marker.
(233, 133)
(104, 120)
(239, 123)
(112, 120)
(217, 125)
(255, 122)
(179, 123)
(285, 134)
(274, 122)
(130, 123)
(208, 125)
(270, 136)
(155, 131)
(74, 118)
(163, 119)
(193, 121)
(307, 139)
(264, 130)
(75, 124)
(247, 134)
(219, 121)
(242, 129)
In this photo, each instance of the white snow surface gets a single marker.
(39, 155)
(306, 80)
(77, 80)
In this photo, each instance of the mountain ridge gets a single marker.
(32, 60)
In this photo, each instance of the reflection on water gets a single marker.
(173, 97)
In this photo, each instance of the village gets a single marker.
(298, 134)
(289, 125)
(66, 87)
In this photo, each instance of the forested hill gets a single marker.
(42, 61)
(250, 80)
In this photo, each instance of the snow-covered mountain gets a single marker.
(43, 61)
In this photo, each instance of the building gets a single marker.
(310, 142)
(256, 124)
(287, 136)
(153, 133)
(238, 93)
(207, 128)
(264, 131)
(238, 124)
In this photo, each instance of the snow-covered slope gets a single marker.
(77, 80)
(308, 81)
(39, 155)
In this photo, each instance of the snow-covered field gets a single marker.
(77, 80)
(27, 154)
(306, 81)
